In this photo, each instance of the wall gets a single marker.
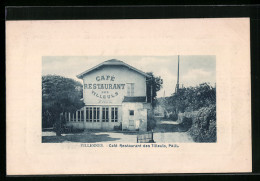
(121, 75)
(140, 114)
(76, 125)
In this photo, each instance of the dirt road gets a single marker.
(170, 132)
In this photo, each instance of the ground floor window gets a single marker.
(95, 114)
(72, 117)
(66, 116)
(131, 112)
(78, 114)
(114, 114)
(88, 114)
(105, 116)
(82, 115)
(92, 114)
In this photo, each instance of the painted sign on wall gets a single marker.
(108, 85)
(105, 87)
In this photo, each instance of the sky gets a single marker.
(193, 69)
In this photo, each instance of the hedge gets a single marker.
(203, 128)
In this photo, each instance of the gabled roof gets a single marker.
(112, 62)
(135, 99)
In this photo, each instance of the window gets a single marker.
(92, 114)
(131, 123)
(72, 117)
(65, 116)
(78, 115)
(87, 114)
(82, 115)
(114, 114)
(130, 89)
(105, 114)
(96, 113)
(131, 112)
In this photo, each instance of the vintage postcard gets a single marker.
(169, 99)
(128, 96)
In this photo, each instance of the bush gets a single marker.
(204, 125)
(173, 117)
(186, 124)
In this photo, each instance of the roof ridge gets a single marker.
(113, 62)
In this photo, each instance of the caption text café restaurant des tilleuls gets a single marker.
(114, 94)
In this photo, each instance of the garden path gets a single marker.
(167, 131)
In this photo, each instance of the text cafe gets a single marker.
(114, 94)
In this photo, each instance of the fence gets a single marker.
(145, 138)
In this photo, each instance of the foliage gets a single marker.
(173, 117)
(186, 124)
(204, 125)
(154, 83)
(59, 94)
(151, 120)
(151, 124)
(193, 98)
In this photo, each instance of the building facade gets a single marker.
(114, 94)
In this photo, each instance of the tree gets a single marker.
(59, 94)
(153, 85)
(193, 98)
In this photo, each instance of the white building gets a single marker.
(114, 94)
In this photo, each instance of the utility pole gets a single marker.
(177, 85)
(151, 92)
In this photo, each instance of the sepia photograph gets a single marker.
(137, 99)
(161, 95)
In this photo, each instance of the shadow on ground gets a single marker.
(86, 138)
(114, 131)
